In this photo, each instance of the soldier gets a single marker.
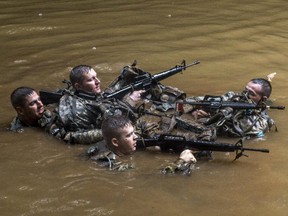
(161, 96)
(120, 142)
(238, 122)
(81, 111)
(159, 101)
(30, 110)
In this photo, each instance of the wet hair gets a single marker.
(265, 84)
(76, 74)
(111, 125)
(18, 96)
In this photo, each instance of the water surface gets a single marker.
(234, 40)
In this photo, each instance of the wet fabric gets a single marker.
(234, 122)
(80, 117)
(45, 122)
(156, 92)
(179, 167)
(106, 158)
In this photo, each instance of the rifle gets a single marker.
(50, 97)
(144, 82)
(223, 104)
(179, 143)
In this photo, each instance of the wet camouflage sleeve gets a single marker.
(76, 113)
(179, 166)
(109, 160)
(16, 126)
(83, 137)
(245, 123)
(236, 123)
(45, 122)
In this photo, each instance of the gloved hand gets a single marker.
(187, 156)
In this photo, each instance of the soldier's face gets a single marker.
(127, 141)
(254, 91)
(90, 82)
(32, 110)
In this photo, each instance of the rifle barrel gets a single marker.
(167, 73)
(255, 149)
(276, 107)
(235, 105)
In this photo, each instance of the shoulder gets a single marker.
(16, 125)
(47, 119)
(107, 158)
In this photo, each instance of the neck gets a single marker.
(28, 122)
(86, 95)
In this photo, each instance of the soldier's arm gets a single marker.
(83, 137)
(183, 165)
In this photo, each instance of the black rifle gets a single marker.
(179, 143)
(144, 82)
(205, 104)
(50, 97)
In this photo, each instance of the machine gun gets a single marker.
(213, 105)
(144, 82)
(179, 143)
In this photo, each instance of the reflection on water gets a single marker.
(234, 40)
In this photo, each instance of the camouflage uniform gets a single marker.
(160, 95)
(237, 122)
(45, 122)
(159, 101)
(106, 158)
(80, 116)
(179, 166)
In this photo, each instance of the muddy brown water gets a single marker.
(234, 40)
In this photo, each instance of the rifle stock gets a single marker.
(179, 143)
(50, 97)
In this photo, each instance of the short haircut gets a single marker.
(111, 126)
(76, 74)
(18, 96)
(266, 86)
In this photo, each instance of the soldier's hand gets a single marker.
(187, 156)
(199, 114)
(136, 95)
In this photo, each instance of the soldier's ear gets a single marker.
(264, 98)
(77, 86)
(19, 110)
(114, 142)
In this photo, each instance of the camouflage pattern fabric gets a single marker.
(17, 126)
(245, 123)
(238, 122)
(106, 158)
(109, 160)
(45, 122)
(157, 92)
(79, 119)
(179, 166)
(83, 137)
(75, 113)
